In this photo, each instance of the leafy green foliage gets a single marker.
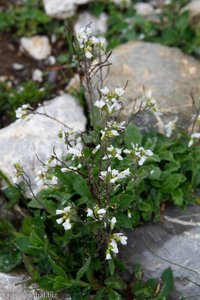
(30, 19)
(12, 98)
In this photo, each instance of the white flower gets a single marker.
(100, 103)
(65, 219)
(23, 111)
(88, 54)
(113, 222)
(101, 212)
(96, 149)
(90, 213)
(67, 225)
(105, 91)
(112, 245)
(129, 214)
(59, 221)
(75, 152)
(120, 237)
(119, 91)
(108, 256)
(194, 136)
(170, 127)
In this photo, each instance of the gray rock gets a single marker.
(22, 140)
(13, 286)
(168, 72)
(194, 12)
(37, 46)
(62, 9)
(144, 9)
(174, 242)
(99, 25)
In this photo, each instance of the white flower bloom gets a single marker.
(96, 149)
(112, 245)
(100, 103)
(75, 152)
(113, 221)
(193, 138)
(129, 214)
(67, 209)
(119, 91)
(120, 237)
(108, 256)
(90, 213)
(65, 219)
(101, 212)
(67, 225)
(59, 221)
(105, 91)
(23, 111)
(88, 54)
(64, 170)
(59, 211)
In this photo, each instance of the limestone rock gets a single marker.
(99, 25)
(62, 9)
(167, 72)
(23, 140)
(175, 240)
(144, 9)
(37, 46)
(194, 12)
(11, 287)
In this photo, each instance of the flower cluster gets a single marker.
(194, 137)
(114, 175)
(140, 153)
(88, 43)
(113, 153)
(24, 111)
(112, 129)
(43, 178)
(112, 245)
(149, 103)
(110, 100)
(73, 141)
(96, 212)
(65, 220)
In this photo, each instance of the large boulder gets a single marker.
(169, 73)
(62, 9)
(193, 7)
(25, 141)
(173, 242)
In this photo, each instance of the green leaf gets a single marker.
(33, 272)
(111, 266)
(122, 200)
(177, 196)
(24, 245)
(100, 294)
(84, 269)
(61, 283)
(115, 283)
(172, 182)
(79, 184)
(123, 221)
(166, 155)
(113, 295)
(168, 284)
(13, 194)
(35, 239)
(132, 135)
